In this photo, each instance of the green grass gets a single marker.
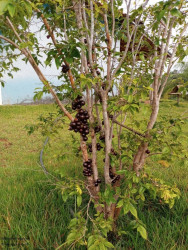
(31, 207)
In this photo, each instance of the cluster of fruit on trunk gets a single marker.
(80, 123)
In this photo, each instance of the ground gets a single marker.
(31, 207)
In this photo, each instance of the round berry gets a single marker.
(82, 103)
(65, 68)
(85, 164)
(89, 160)
(147, 151)
(85, 138)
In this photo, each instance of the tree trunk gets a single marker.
(140, 156)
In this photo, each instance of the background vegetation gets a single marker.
(31, 205)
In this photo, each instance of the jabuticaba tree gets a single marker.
(111, 63)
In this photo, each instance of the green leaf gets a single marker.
(142, 231)
(142, 57)
(161, 14)
(28, 8)
(120, 203)
(3, 6)
(75, 53)
(38, 95)
(130, 98)
(57, 62)
(133, 210)
(108, 244)
(175, 12)
(2, 84)
(126, 208)
(79, 200)
(11, 8)
(65, 196)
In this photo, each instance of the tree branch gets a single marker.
(130, 129)
(54, 42)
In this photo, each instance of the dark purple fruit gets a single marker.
(78, 106)
(85, 40)
(114, 181)
(81, 111)
(102, 138)
(98, 72)
(104, 160)
(96, 184)
(98, 181)
(86, 116)
(85, 171)
(90, 150)
(85, 164)
(147, 151)
(76, 130)
(97, 129)
(87, 131)
(70, 128)
(82, 103)
(102, 122)
(117, 177)
(73, 124)
(89, 166)
(85, 138)
(85, 112)
(65, 68)
(48, 36)
(89, 160)
(82, 117)
(112, 176)
(79, 97)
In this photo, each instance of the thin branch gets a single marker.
(10, 41)
(171, 59)
(130, 129)
(54, 42)
(39, 72)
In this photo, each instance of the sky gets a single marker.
(25, 81)
(23, 85)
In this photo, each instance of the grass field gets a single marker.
(32, 209)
